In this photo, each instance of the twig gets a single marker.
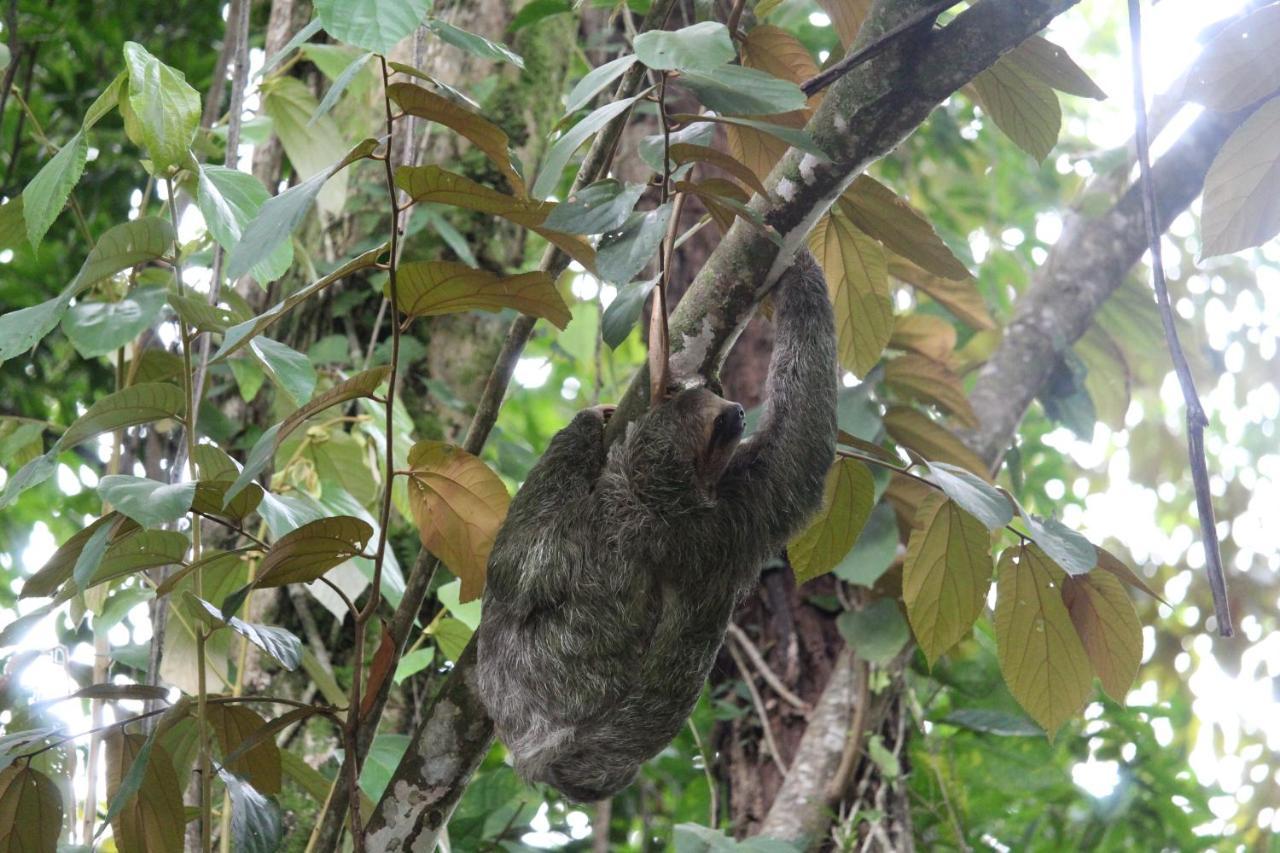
(760, 710)
(706, 769)
(825, 78)
(1196, 418)
(839, 783)
(762, 667)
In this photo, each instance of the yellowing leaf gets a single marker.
(153, 819)
(1021, 105)
(484, 134)
(854, 265)
(932, 337)
(311, 550)
(435, 185)
(1109, 562)
(777, 52)
(260, 764)
(846, 503)
(1108, 627)
(1053, 65)
(30, 811)
(959, 297)
(458, 504)
(760, 151)
(931, 381)
(431, 288)
(1041, 656)
(930, 439)
(685, 152)
(877, 210)
(1240, 190)
(945, 575)
(1241, 65)
(847, 17)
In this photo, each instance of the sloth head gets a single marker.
(677, 452)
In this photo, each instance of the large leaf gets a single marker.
(59, 566)
(291, 370)
(166, 107)
(231, 725)
(699, 47)
(458, 505)
(433, 288)
(358, 385)
(47, 193)
(100, 328)
(474, 44)
(1041, 656)
(945, 575)
(623, 312)
(930, 439)
(974, 495)
(876, 632)
(877, 210)
(311, 550)
(313, 143)
(1241, 187)
(959, 297)
(857, 277)
(30, 811)
(684, 152)
(735, 90)
(229, 200)
(134, 552)
(1069, 550)
(148, 502)
(595, 82)
(931, 381)
(596, 208)
(1053, 65)
(136, 404)
(927, 334)
(1021, 105)
(21, 330)
(484, 134)
(1108, 627)
(847, 499)
(280, 215)
(146, 797)
(1238, 67)
(276, 642)
(376, 25)
(558, 156)
(624, 253)
(256, 823)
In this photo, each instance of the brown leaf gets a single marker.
(684, 152)
(847, 499)
(384, 660)
(484, 134)
(153, 820)
(30, 811)
(1053, 65)
(1021, 105)
(760, 151)
(1108, 627)
(932, 337)
(945, 574)
(458, 504)
(777, 52)
(847, 16)
(1109, 562)
(906, 495)
(931, 439)
(433, 288)
(877, 210)
(308, 552)
(959, 297)
(1041, 656)
(1241, 65)
(232, 725)
(931, 381)
(854, 266)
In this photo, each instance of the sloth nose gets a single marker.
(735, 418)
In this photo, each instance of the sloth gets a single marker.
(612, 581)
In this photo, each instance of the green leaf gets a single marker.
(595, 82)
(558, 157)
(90, 558)
(288, 368)
(142, 549)
(1021, 105)
(200, 315)
(229, 200)
(992, 722)
(311, 550)
(536, 10)
(799, 139)
(847, 499)
(339, 86)
(1067, 549)
(975, 495)
(58, 567)
(452, 636)
(413, 662)
(1041, 656)
(100, 328)
(299, 38)
(106, 102)
(259, 455)
(624, 253)
(1108, 627)
(858, 279)
(30, 811)
(21, 330)
(736, 90)
(280, 215)
(433, 288)
(877, 632)
(874, 551)
(695, 48)
(147, 502)
(47, 193)
(167, 109)
(1240, 189)
(123, 247)
(450, 595)
(1052, 64)
(624, 311)
(136, 404)
(596, 208)
(362, 384)
(473, 44)
(256, 823)
(13, 224)
(945, 575)
(384, 756)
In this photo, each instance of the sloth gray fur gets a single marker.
(613, 579)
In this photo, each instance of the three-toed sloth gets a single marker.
(613, 579)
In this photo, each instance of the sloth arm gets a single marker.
(776, 477)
